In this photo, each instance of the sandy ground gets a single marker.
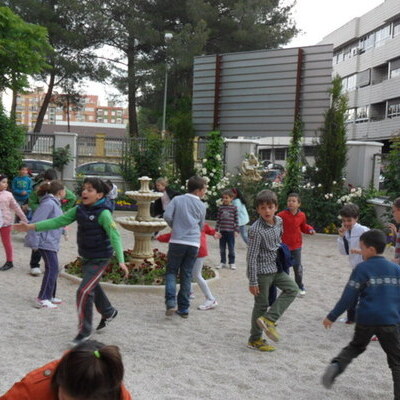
(204, 357)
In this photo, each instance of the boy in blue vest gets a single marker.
(376, 282)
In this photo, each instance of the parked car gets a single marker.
(100, 168)
(36, 167)
(274, 175)
(267, 165)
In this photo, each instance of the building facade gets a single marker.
(88, 112)
(367, 56)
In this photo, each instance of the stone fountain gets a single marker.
(143, 225)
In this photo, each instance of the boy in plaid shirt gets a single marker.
(264, 241)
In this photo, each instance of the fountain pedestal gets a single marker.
(143, 226)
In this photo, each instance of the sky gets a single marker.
(315, 18)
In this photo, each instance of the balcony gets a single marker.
(374, 130)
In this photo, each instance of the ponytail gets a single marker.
(52, 187)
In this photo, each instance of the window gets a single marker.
(309, 151)
(381, 35)
(350, 115)
(280, 154)
(367, 42)
(119, 121)
(395, 68)
(393, 108)
(364, 78)
(396, 28)
(349, 83)
(362, 114)
(264, 154)
(99, 120)
(119, 113)
(105, 112)
(99, 112)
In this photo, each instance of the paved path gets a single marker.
(204, 357)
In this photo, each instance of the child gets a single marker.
(243, 216)
(161, 204)
(395, 232)
(227, 225)
(348, 241)
(294, 223)
(47, 243)
(113, 193)
(21, 186)
(376, 282)
(33, 203)
(262, 271)
(97, 236)
(8, 205)
(90, 371)
(185, 215)
(210, 302)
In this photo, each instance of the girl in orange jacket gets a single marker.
(90, 370)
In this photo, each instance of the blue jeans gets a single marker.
(297, 267)
(228, 238)
(243, 233)
(181, 258)
(49, 282)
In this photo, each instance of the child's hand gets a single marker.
(125, 269)
(327, 323)
(341, 231)
(312, 232)
(217, 235)
(355, 251)
(23, 227)
(254, 290)
(392, 228)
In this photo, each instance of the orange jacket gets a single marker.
(37, 386)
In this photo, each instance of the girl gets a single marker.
(210, 302)
(8, 205)
(243, 216)
(97, 237)
(90, 371)
(47, 243)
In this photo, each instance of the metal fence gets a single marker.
(36, 143)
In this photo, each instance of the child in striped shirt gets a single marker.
(227, 225)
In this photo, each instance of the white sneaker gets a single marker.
(56, 300)
(35, 271)
(232, 266)
(44, 304)
(208, 305)
(192, 296)
(219, 266)
(302, 293)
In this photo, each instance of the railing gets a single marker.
(38, 143)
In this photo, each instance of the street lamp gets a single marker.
(167, 37)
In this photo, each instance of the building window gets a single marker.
(364, 78)
(119, 120)
(309, 151)
(99, 120)
(350, 115)
(396, 28)
(119, 113)
(381, 35)
(280, 154)
(367, 42)
(362, 114)
(349, 83)
(393, 108)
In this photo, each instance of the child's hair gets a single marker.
(163, 181)
(50, 174)
(239, 195)
(2, 177)
(228, 192)
(52, 187)
(374, 238)
(196, 183)
(350, 210)
(23, 166)
(396, 202)
(296, 195)
(89, 371)
(98, 184)
(266, 196)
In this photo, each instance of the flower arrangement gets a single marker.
(143, 274)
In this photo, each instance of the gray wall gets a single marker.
(258, 90)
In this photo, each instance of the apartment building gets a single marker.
(366, 54)
(87, 112)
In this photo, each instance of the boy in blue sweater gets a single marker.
(376, 281)
(21, 186)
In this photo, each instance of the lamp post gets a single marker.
(167, 37)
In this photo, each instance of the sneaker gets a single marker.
(8, 265)
(302, 293)
(35, 271)
(260, 345)
(182, 314)
(106, 321)
(79, 339)
(232, 266)
(44, 304)
(170, 311)
(374, 339)
(269, 328)
(192, 296)
(208, 305)
(56, 300)
(330, 375)
(348, 322)
(221, 266)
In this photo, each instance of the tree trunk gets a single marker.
(133, 125)
(13, 106)
(45, 104)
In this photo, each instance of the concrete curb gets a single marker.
(132, 288)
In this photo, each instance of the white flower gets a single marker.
(204, 160)
(308, 185)
(352, 190)
(343, 179)
(183, 187)
(218, 202)
(316, 169)
(312, 187)
(218, 157)
(319, 185)
(334, 182)
(206, 204)
(214, 170)
(303, 168)
(326, 195)
(204, 171)
(211, 173)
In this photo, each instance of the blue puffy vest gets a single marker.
(93, 241)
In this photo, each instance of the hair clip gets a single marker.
(96, 353)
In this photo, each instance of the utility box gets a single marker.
(363, 163)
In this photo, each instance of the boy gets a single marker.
(168, 194)
(376, 282)
(294, 223)
(185, 215)
(227, 224)
(262, 271)
(348, 242)
(21, 186)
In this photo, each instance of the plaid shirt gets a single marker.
(264, 241)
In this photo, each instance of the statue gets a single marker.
(250, 168)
